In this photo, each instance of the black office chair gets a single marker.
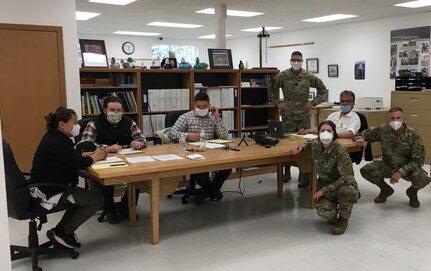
(189, 191)
(22, 206)
(356, 157)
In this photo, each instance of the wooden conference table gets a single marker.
(216, 159)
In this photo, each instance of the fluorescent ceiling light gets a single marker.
(137, 33)
(83, 16)
(415, 4)
(113, 2)
(174, 25)
(212, 36)
(328, 18)
(258, 29)
(229, 12)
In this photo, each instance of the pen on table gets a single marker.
(116, 165)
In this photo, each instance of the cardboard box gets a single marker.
(369, 103)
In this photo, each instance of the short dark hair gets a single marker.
(202, 96)
(330, 123)
(296, 53)
(348, 93)
(61, 114)
(111, 99)
(396, 109)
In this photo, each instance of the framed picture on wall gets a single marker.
(93, 53)
(220, 58)
(332, 70)
(312, 65)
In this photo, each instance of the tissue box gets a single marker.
(369, 103)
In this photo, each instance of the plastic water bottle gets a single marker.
(182, 145)
(202, 141)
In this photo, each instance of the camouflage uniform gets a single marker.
(404, 153)
(336, 179)
(295, 87)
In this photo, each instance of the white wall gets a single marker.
(113, 44)
(41, 12)
(342, 45)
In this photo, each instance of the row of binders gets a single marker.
(222, 97)
(93, 104)
(154, 100)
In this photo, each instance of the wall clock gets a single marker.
(128, 48)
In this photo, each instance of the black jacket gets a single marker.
(57, 161)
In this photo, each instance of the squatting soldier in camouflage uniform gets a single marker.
(337, 189)
(295, 108)
(403, 156)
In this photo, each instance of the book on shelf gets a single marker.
(223, 97)
(152, 123)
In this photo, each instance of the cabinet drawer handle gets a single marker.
(414, 115)
(414, 99)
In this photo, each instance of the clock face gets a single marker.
(128, 48)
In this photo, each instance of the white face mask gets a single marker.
(296, 65)
(75, 130)
(325, 137)
(396, 124)
(201, 112)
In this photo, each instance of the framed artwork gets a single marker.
(220, 58)
(332, 70)
(93, 53)
(312, 65)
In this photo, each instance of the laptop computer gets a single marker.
(275, 129)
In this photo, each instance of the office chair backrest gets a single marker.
(172, 117)
(18, 196)
(82, 123)
(364, 122)
(357, 156)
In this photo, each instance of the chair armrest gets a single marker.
(66, 193)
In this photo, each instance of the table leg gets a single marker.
(155, 202)
(131, 200)
(280, 180)
(313, 184)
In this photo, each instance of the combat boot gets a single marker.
(332, 221)
(304, 180)
(341, 226)
(412, 193)
(385, 192)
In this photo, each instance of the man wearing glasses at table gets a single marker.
(347, 122)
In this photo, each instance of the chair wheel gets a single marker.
(74, 255)
(37, 268)
(184, 201)
(169, 196)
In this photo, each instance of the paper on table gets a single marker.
(130, 151)
(210, 145)
(109, 159)
(109, 165)
(140, 159)
(309, 136)
(219, 141)
(195, 156)
(167, 157)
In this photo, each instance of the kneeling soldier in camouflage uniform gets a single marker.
(337, 189)
(403, 156)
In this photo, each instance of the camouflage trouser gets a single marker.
(291, 125)
(376, 171)
(340, 201)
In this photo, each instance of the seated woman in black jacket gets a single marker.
(57, 161)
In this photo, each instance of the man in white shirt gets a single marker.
(347, 122)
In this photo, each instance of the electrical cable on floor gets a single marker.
(240, 190)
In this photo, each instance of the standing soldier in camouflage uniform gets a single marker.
(403, 156)
(295, 108)
(337, 189)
